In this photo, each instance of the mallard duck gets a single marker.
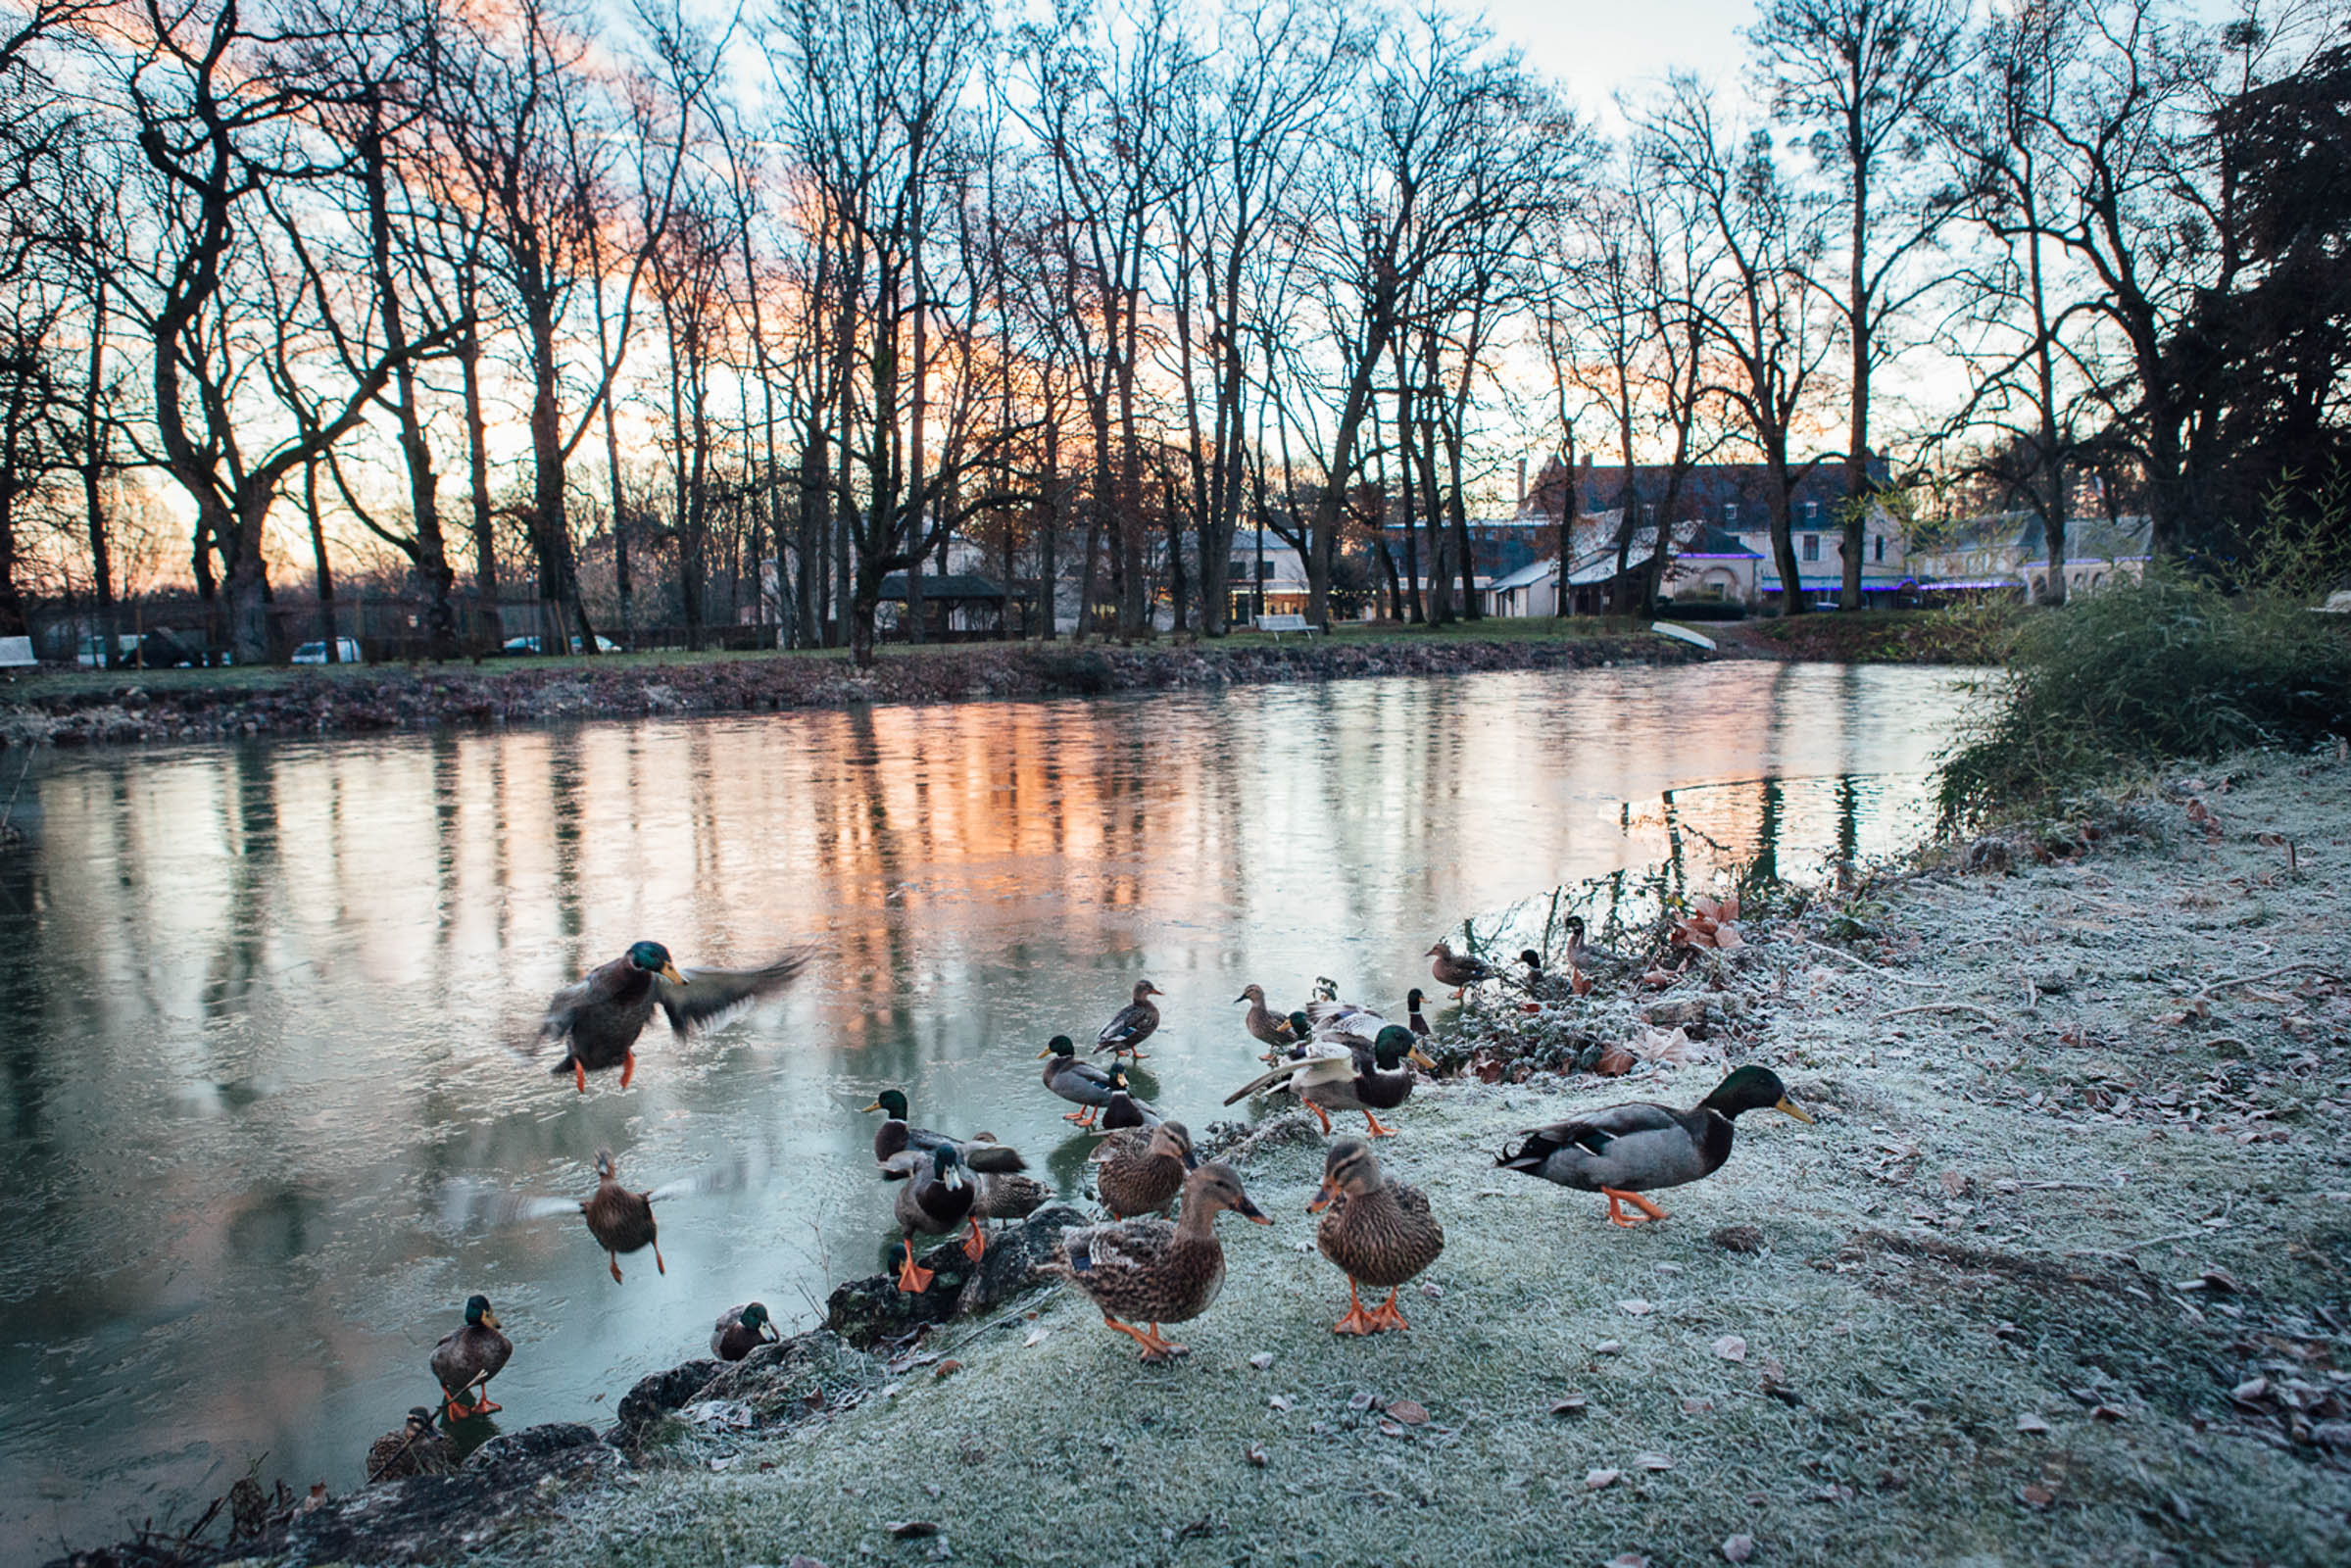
(741, 1330)
(1378, 1230)
(1625, 1151)
(1266, 1025)
(1349, 1023)
(1007, 1195)
(416, 1448)
(599, 1018)
(895, 1137)
(1412, 1017)
(1582, 955)
(1459, 971)
(466, 1360)
(1124, 1110)
(1143, 1169)
(1152, 1272)
(1132, 1024)
(1337, 1076)
(1081, 1083)
(621, 1221)
(936, 1199)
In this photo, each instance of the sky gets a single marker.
(1596, 47)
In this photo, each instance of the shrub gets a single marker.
(2133, 675)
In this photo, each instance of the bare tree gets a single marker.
(1865, 79)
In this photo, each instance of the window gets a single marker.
(1881, 547)
(1730, 513)
(1812, 542)
(1812, 513)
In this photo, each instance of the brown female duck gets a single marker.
(1143, 1169)
(1267, 1027)
(1379, 1232)
(418, 1448)
(1149, 1271)
(1132, 1024)
(621, 1221)
(1461, 970)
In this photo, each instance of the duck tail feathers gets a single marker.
(992, 1159)
(1536, 1146)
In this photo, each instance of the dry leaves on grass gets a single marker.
(1709, 923)
(1595, 1480)
(1730, 1347)
(1737, 1549)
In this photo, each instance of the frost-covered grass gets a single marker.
(2022, 1209)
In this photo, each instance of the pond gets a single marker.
(265, 1024)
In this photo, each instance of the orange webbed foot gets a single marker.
(913, 1278)
(629, 1069)
(1386, 1319)
(975, 1245)
(579, 1075)
(616, 1261)
(1377, 1131)
(1356, 1321)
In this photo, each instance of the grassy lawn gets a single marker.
(74, 682)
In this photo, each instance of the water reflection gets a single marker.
(263, 1015)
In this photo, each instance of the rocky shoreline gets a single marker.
(2059, 1277)
(176, 706)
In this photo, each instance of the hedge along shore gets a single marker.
(2059, 1277)
(91, 709)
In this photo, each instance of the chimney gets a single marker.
(1522, 486)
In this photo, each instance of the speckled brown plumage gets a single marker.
(1141, 1170)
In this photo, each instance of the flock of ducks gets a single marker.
(1140, 1268)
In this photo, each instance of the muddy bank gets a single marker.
(181, 705)
(2062, 1275)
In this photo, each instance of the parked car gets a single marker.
(533, 645)
(127, 650)
(347, 652)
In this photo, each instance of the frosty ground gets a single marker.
(2060, 1276)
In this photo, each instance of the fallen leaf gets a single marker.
(1262, 1360)
(1636, 1306)
(1391, 1429)
(2105, 1412)
(1614, 1062)
(1730, 1347)
(1954, 1184)
(2249, 1390)
(912, 1528)
(1608, 1348)
(1568, 1404)
(1628, 1560)
(1361, 1401)
(1408, 1412)
(1738, 1548)
(1255, 1455)
(946, 1368)
(2028, 1422)
(2033, 1495)
(2219, 1279)
(1280, 1402)
(1727, 935)
(1696, 1406)
(1036, 1338)
(1595, 1480)
(1653, 1462)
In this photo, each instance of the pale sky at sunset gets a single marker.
(1593, 47)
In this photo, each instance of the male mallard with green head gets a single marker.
(1149, 1271)
(1124, 1110)
(1627, 1150)
(741, 1330)
(621, 1221)
(418, 1448)
(1081, 1083)
(1338, 1076)
(1377, 1231)
(1142, 1170)
(896, 1136)
(936, 1199)
(599, 1018)
(1132, 1024)
(467, 1358)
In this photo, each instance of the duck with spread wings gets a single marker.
(598, 1018)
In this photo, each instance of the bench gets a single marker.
(1278, 624)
